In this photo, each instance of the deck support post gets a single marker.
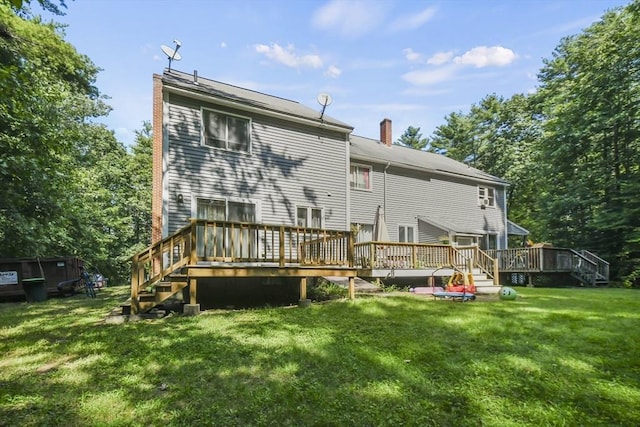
(304, 301)
(352, 288)
(193, 308)
(193, 290)
(303, 288)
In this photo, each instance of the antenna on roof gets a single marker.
(324, 99)
(172, 54)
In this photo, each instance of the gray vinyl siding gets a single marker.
(412, 193)
(428, 233)
(289, 165)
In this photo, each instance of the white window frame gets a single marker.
(256, 202)
(486, 197)
(358, 167)
(203, 131)
(473, 239)
(310, 210)
(406, 232)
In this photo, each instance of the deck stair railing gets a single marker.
(602, 269)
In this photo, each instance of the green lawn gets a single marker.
(553, 357)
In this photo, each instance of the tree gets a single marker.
(590, 101)
(498, 136)
(139, 190)
(413, 138)
(48, 97)
(48, 5)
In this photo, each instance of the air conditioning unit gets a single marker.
(485, 203)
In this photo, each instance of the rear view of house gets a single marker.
(253, 187)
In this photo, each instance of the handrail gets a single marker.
(395, 255)
(603, 266)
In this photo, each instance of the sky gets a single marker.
(411, 61)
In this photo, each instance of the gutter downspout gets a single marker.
(385, 188)
(506, 224)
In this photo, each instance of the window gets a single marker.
(226, 210)
(225, 131)
(486, 197)
(406, 233)
(465, 240)
(361, 177)
(489, 241)
(309, 217)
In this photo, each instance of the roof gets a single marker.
(371, 150)
(451, 227)
(249, 98)
(514, 229)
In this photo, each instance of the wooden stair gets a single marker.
(162, 291)
(484, 284)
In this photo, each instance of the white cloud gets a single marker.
(440, 58)
(223, 44)
(430, 76)
(350, 18)
(287, 56)
(483, 56)
(333, 72)
(413, 21)
(411, 55)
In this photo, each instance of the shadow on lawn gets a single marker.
(383, 361)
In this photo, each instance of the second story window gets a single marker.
(225, 131)
(486, 197)
(361, 177)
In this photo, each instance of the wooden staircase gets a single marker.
(161, 291)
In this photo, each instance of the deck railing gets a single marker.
(236, 242)
(386, 255)
(585, 266)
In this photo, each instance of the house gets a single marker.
(426, 197)
(227, 153)
(249, 186)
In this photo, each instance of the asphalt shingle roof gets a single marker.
(248, 97)
(371, 150)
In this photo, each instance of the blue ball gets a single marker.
(508, 294)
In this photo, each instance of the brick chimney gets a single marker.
(385, 132)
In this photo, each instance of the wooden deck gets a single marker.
(585, 266)
(210, 249)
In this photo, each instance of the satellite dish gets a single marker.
(171, 53)
(324, 99)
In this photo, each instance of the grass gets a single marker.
(552, 357)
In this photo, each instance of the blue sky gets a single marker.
(411, 61)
